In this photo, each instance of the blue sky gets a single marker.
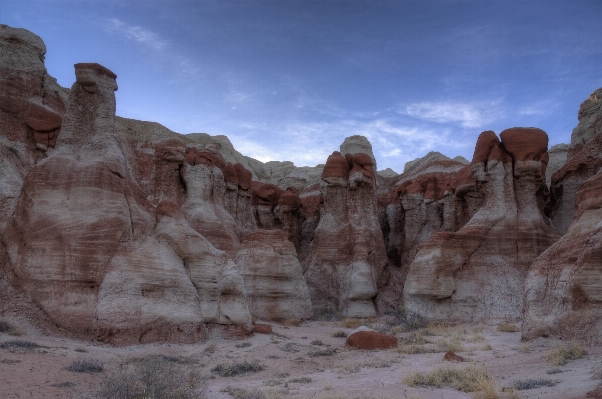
(289, 80)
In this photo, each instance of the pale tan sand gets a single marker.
(30, 373)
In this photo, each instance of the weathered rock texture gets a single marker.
(348, 253)
(563, 292)
(81, 241)
(477, 272)
(273, 277)
(582, 162)
(126, 232)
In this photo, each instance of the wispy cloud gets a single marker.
(138, 34)
(468, 115)
(393, 143)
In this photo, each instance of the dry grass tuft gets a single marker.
(504, 327)
(229, 370)
(468, 379)
(561, 355)
(349, 369)
(352, 323)
(18, 343)
(151, 377)
(10, 329)
(524, 348)
(292, 322)
(86, 366)
(340, 334)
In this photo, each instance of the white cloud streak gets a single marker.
(138, 34)
(392, 144)
(467, 115)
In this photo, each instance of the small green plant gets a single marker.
(86, 366)
(243, 345)
(317, 343)
(229, 370)
(81, 350)
(504, 327)
(561, 355)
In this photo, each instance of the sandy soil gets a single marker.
(286, 355)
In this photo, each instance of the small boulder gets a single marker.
(450, 356)
(262, 329)
(368, 339)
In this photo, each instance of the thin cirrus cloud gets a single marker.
(468, 115)
(137, 33)
(393, 143)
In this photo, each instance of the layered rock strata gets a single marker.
(273, 276)
(477, 272)
(348, 253)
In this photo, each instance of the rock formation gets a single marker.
(477, 272)
(126, 232)
(273, 277)
(348, 253)
(563, 292)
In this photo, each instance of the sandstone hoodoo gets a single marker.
(477, 273)
(125, 232)
(348, 253)
(273, 277)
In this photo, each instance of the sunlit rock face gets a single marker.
(477, 272)
(273, 276)
(347, 255)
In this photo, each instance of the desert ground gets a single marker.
(302, 360)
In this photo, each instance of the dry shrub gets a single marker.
(19, 343)
(524, 348)
(10, 329)
(451, 345)
(352, 323)
(253, 393)
(378, 363)
(323, 352)
(531, 383)
(340, 334)
(300, 380)
(151, 377)
(561, 355)
(349, 369)
(504, 327)
(229, 370)
(416, 349)
(292, 322)
(468, 379)
(86, 366)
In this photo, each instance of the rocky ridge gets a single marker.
(124, 231)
